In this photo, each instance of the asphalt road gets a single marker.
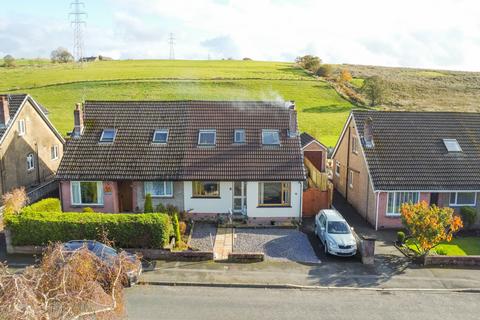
(159, 302)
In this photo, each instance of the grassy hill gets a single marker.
(322, 111)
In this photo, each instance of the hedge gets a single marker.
(143, 230)
(46, 205)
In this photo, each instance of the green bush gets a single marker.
(401, 237)
(148, 207)
(88, 209)
(441, 251)
(469, 216)
(149, 230)
(46, 205)
(176, 229)
(325, 70)
(160, 208)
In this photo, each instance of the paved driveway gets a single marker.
(277, 244)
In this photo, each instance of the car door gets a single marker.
(321, 227)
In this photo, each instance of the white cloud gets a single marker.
(426, 33)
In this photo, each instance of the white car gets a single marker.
(335, 233)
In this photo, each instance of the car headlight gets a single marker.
(331, 244)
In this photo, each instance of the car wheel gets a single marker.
(326, 248)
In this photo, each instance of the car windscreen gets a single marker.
(338, 227)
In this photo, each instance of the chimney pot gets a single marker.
(78, 121)
(4, 110)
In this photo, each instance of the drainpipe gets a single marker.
(348, 163)
(301, 200)
(2, 172)
(37, 162)
(368, 196)
(376, 213)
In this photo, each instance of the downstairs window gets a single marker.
(274, 194)
(396, 199)
(87, 192)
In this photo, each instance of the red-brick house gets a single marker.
(383, 159)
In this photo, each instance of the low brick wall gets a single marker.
(246, 257)
(160, 254)
(452, 260)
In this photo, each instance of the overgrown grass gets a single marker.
(461, 246)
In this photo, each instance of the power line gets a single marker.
(77, 16)
(171, 41)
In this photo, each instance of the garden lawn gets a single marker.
(461, 246)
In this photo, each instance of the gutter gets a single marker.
(377, 194)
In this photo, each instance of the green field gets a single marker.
(322, 111)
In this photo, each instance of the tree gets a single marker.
(325, 70)
(61, 55)
(309, 62)
(9, 61)
(345, 76)
(148, 207)
(77, 285)
(176, 230)
(428, 226)
(375, 89)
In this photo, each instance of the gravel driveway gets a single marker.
(277, 244)
(203, 236)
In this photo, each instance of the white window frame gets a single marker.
(99, 193)
(452, 145)
(165, 183)
(395, 194)
(21, 127)
(350, 179)
(241, 131)
(206, 131)
(455, 204)
(165, 131)
(30, 161)
(114, 135)
(354, 145)
(337, 168)
(265, 131)
(54, 152)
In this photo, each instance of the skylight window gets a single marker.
(452, 145)
(160, 136)
(270, 137)
(207, 137)
(239, 136)
(108, 135)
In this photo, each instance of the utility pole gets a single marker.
(171, 41)
(77, 20)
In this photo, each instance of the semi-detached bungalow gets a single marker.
(384, 159)
(203, 157)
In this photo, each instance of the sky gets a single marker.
(441, 34)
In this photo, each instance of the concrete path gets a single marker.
(223, 243)
(385, 274)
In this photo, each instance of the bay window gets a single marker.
(396, 199)
(87, 192)
(463, 199)
(159, 188)
(274, 194)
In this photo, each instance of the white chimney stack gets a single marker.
(292, 125)
(368, 133)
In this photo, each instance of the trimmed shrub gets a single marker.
(441, 251)
(46, 205)
(148, 207)
(149, 230)
(183, 227)
(401, 237)
(469, 216)
(88, 209)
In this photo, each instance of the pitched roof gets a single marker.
(306, 139)
(15, 102)
(409, 152)
(133, 156)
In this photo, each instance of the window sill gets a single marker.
(199, 197)
(162, 197)
(87, 205)
(463, 205)
(393, 215)
(274, 206)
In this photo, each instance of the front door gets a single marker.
(240, 197)
(125, 196)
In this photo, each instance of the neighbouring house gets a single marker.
(317, 191)
(203, 157)
(30, 146)
(383, 159)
